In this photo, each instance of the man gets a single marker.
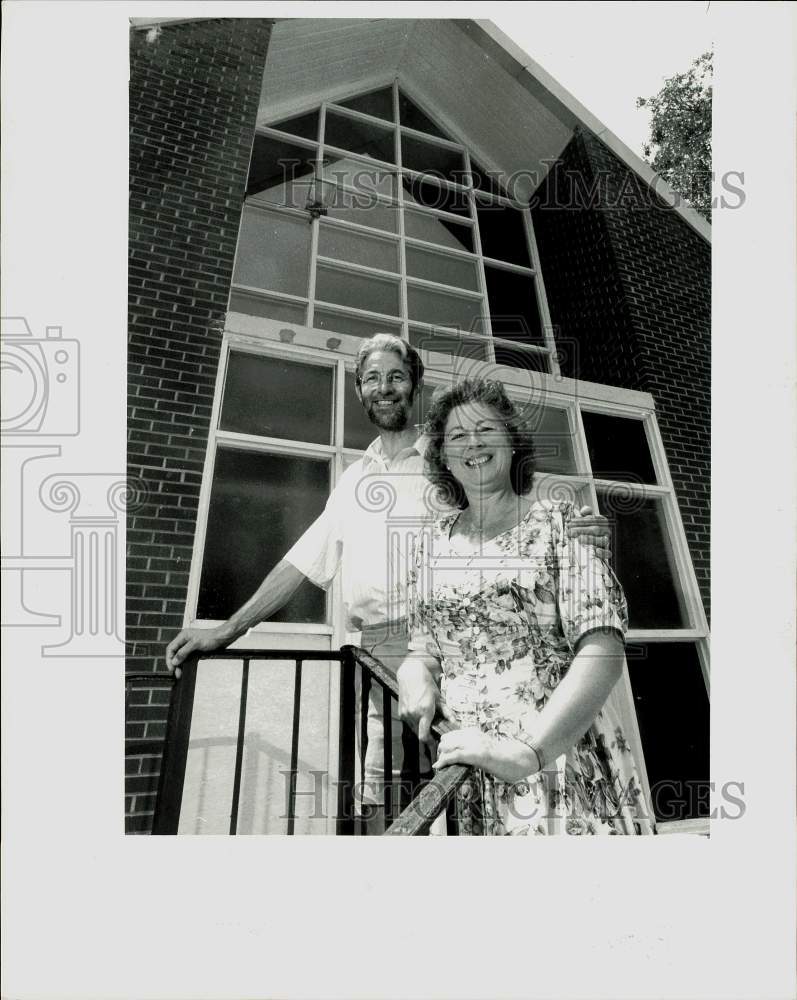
(362, 533)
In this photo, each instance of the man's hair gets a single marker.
(492, 394)
(390, 342)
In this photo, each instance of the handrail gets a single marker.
(417, 818)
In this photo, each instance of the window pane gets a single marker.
(427, 158)
(427, 194)
(643, 559)
(513, 306)
(277, 398)
(424, 226)
(362, 208)
(618, 448)
(267, 308)
(280, 172)
(442, 267)
(259, 505)
(673, 713)
(360, 291)
(273, 252)
(356, 326)
(553, 442)
(443, 308)
(518, 357)
(378, 103)
(412, 116)
(448, 343)
(484, 180)
(366, 180)
(359, 248)
(305, 126)
(365, 138)
(502, 233)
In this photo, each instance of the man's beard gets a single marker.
(394, 419)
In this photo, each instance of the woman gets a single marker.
(527, 631)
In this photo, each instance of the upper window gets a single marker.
(363, 216)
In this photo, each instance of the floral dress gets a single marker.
(505, 622)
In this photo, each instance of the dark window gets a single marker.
(377, 102)
(427, 194)
(357, 136)
(643, 559)
(618, 448)
(273, 397)
(305, 126)
(484, 180)
(553, 442)
(447, 343)
(412, 116)
(673, 712)
(513, 306)
(259, 505)
(280, 172)
(502, 233)
(427, 158)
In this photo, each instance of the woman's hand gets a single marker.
(506, 758)
(419, 696)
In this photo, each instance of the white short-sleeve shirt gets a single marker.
(366, 532)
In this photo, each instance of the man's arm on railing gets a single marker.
(273, 593)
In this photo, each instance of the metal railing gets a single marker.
(419, 811)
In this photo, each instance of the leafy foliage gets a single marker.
(680, 133)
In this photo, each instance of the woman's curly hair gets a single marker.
(492, 394)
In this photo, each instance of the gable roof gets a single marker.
(479, 85)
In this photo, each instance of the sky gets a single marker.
(640, 45)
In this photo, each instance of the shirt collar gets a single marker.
(375, 455)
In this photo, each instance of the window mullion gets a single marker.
(542, 299)
(315, 222)
(487, 327)
(404, 306)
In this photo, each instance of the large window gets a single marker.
(364, 215)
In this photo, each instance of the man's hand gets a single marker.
(591, 529)
(506, 758)
(192, 640)
(419, 698)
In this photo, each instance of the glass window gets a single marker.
(553, 441)
(377, 102)
(443, 308)
(305, 126)
(432, 229)
(484, 180)
(259, 505)
(280, 172)
(358, 136)
(672, 709)
(365, 179)
(428, 158)
(267, 308)
(360, 291)
(256, 263)
(412, 116)
(358, 248)
(618, 448)
(274, 397)
(356, 326)
(445, 269)
(643, 559)
(502, 233)
(514, 314)
(361, 208)
(427, 194)
(447, 343)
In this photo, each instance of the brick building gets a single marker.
(299, 184)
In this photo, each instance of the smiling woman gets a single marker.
(525, 632)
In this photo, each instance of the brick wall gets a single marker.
(629, 282)
(194, 92)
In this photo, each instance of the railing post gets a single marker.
(346, 747)
(175, 752)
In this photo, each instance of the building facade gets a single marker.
(297, 185)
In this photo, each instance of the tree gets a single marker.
(679, 149)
